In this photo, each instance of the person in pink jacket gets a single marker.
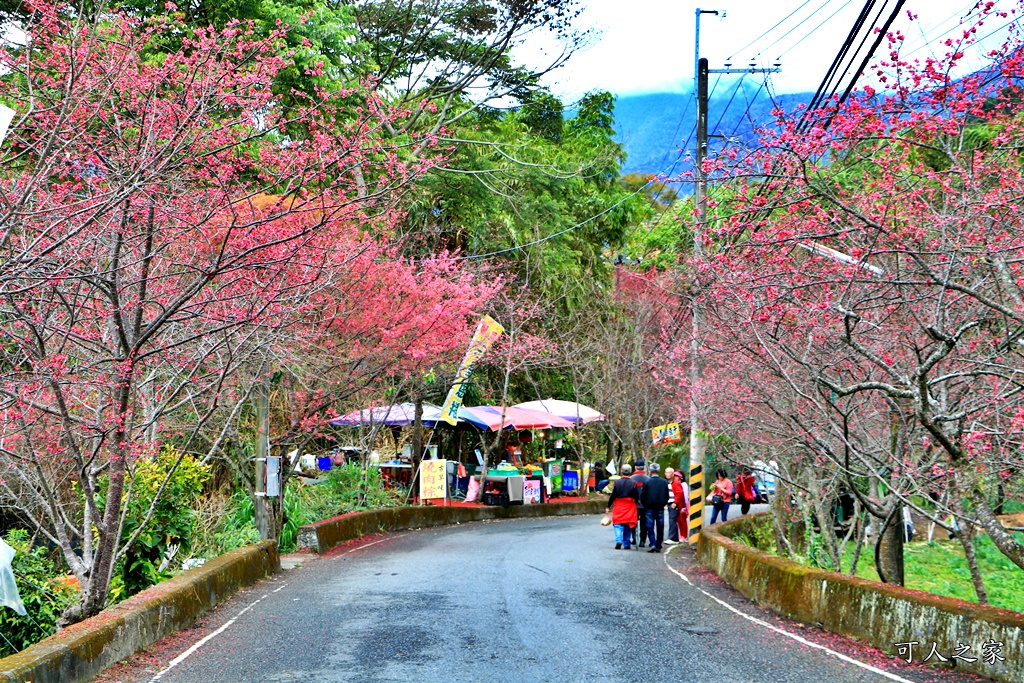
(720, 496)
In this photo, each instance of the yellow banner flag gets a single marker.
(487, 332)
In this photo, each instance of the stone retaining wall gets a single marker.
(322, 536)
(82, 651)
(878, 613)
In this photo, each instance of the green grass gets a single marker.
(939, 567)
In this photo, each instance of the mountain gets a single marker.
(652, 128)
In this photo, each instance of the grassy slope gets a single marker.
(939, 567)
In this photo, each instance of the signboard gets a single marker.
(555, 472)
(531, 491)
(663, 434)
(273, 471)
(570, 481)
(433, 479)
(486, 333)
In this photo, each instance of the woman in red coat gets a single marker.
(746, 490)
(681, 505)
(622, 506)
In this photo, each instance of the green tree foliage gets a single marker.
(540, 189)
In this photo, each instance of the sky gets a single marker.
(647, 46)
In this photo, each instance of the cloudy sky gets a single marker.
(643, 46)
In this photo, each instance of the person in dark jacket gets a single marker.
(654, 496)
(640, 478)
(622, 508)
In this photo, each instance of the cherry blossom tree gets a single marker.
(160, 218)
(876, 271)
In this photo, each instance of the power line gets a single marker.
(781, 22)
(813, 30)
(801, 23)
(834, 68)
(867, 58)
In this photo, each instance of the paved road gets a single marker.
(503, 602)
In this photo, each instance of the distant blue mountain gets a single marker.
(653, 128)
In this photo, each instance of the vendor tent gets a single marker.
(399, 415)
(577, 413)
(494, 418)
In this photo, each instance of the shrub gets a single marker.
(173, 520)
(38, 573)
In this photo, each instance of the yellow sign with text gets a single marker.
(663, 434)
(487, 332)
(433, 479)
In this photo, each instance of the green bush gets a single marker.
(173, 520)
(339, 494)
(45, 597)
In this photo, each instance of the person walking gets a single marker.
(654, 496)
(622, 507)
(639, 479)
(720, 496)
(672, 537)
(746, 490)
(679, 507)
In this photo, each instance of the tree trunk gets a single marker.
(862, 528)
(825, 523)
(966, 538)
(1006, 543)
(417, 444)
(889, 547)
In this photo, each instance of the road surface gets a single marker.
(504, 602)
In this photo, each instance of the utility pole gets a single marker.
(697, 445)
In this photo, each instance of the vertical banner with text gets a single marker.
(487, 332)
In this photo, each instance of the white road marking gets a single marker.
(799, 639)
(188, 653)
(192, 650)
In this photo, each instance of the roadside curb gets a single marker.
(83, 650)
(324, 535)
(876, 613)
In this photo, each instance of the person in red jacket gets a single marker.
(746, 490)
(622, 506)
(679, 509)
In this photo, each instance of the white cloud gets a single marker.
(644, 46)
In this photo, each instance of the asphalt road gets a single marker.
(503, 602)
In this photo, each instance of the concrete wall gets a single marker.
(82, 651)
(322, 536)
(877, 613)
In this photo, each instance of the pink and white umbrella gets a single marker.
(577, 413)
(495, 418)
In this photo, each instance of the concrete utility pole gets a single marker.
(697, 445)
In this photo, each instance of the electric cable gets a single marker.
(801, 23)
(782, 21)
(815, 29)
(867, 58)
(816, 99)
